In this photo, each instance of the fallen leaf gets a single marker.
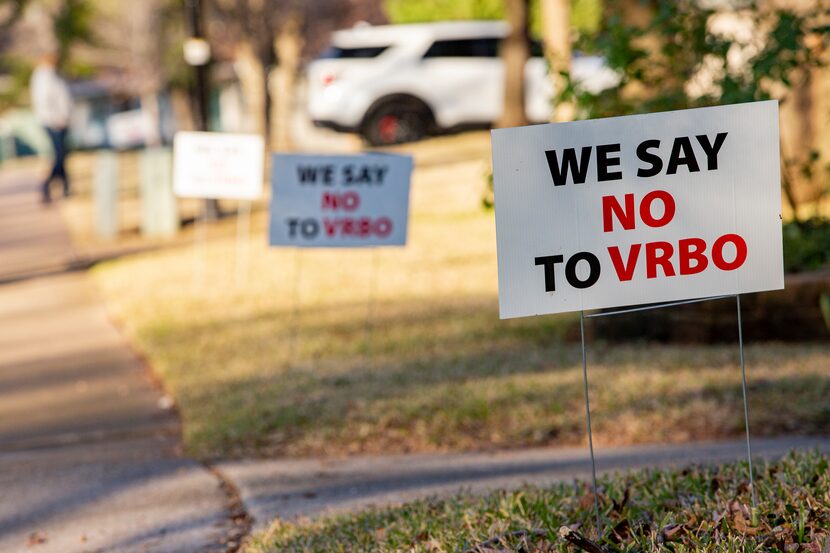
(36, 538)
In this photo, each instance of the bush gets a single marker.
(807, 245)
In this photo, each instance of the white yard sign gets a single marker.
(640, 209)
(218, 165)
(344, 201)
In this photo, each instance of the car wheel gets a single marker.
(396, 123)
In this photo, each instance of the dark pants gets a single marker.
(58, 138)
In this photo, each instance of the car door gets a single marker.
(464, 79)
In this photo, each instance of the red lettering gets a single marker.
(663, 258)
(347, 227)
(362, 227)
(692, 249)
(740, 252)
(625, 271)
(330, 227)
(348, 201)
(329, 201)
(611, 206)
(383, 227)
(669, 208)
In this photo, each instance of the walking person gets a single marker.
(52, 106)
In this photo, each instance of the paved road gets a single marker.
(88, 455)
(310, 487)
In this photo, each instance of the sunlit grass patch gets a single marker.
(700, 509)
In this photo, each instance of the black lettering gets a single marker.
(604, 162)
(306, 174)
(711, 150)
(685, 157)
(380, 173)
(309, 228)
(292, 227)
(593, 273)
(309, 175)
(549, 261)
(559, 174)
(644, 155)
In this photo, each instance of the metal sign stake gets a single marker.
(199, 248)
(583, 316)
(368, 331)
(746, 405)
(588, 418)
(243, 233)
(295, 313)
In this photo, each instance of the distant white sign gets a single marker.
(344, 201)
(218, 165)
(639, 209)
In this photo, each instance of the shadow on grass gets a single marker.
(426, 376)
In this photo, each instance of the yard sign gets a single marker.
(344, 201)
(218, 165)
(638, 209)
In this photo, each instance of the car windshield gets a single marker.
(365, 52)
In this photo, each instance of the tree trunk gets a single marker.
(182, 110)
(556, 30)
(251, 75)
(515, 53)
(288, 48)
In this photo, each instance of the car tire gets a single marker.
(397, 121)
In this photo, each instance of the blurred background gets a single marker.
(422, 362)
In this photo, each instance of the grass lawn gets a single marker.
(697, 509)
(257, 369)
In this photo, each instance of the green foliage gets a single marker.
(18, 73)
(414, 11)
(659, 62)
(702, 509)
(585, 14)
(824, 305)
(807, 245)
(74, 23)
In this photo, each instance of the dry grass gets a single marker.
(696, 509)
(258, 369)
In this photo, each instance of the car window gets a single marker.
(465, 48)
(365, 52)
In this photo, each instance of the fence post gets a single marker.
(105, 192)
(159, 212)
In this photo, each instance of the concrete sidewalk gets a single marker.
(89, 456)
(289, 489)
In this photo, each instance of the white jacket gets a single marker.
(51, 101)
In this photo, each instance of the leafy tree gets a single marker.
(672, 54)
(10, 12)
(265, 33)
(73, 23)
(585, 14)
(661, 62)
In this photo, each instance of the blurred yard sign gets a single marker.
(339, 201)
(639, 209)
(218, 165)
(159, 213)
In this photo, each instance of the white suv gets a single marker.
(397, 83)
